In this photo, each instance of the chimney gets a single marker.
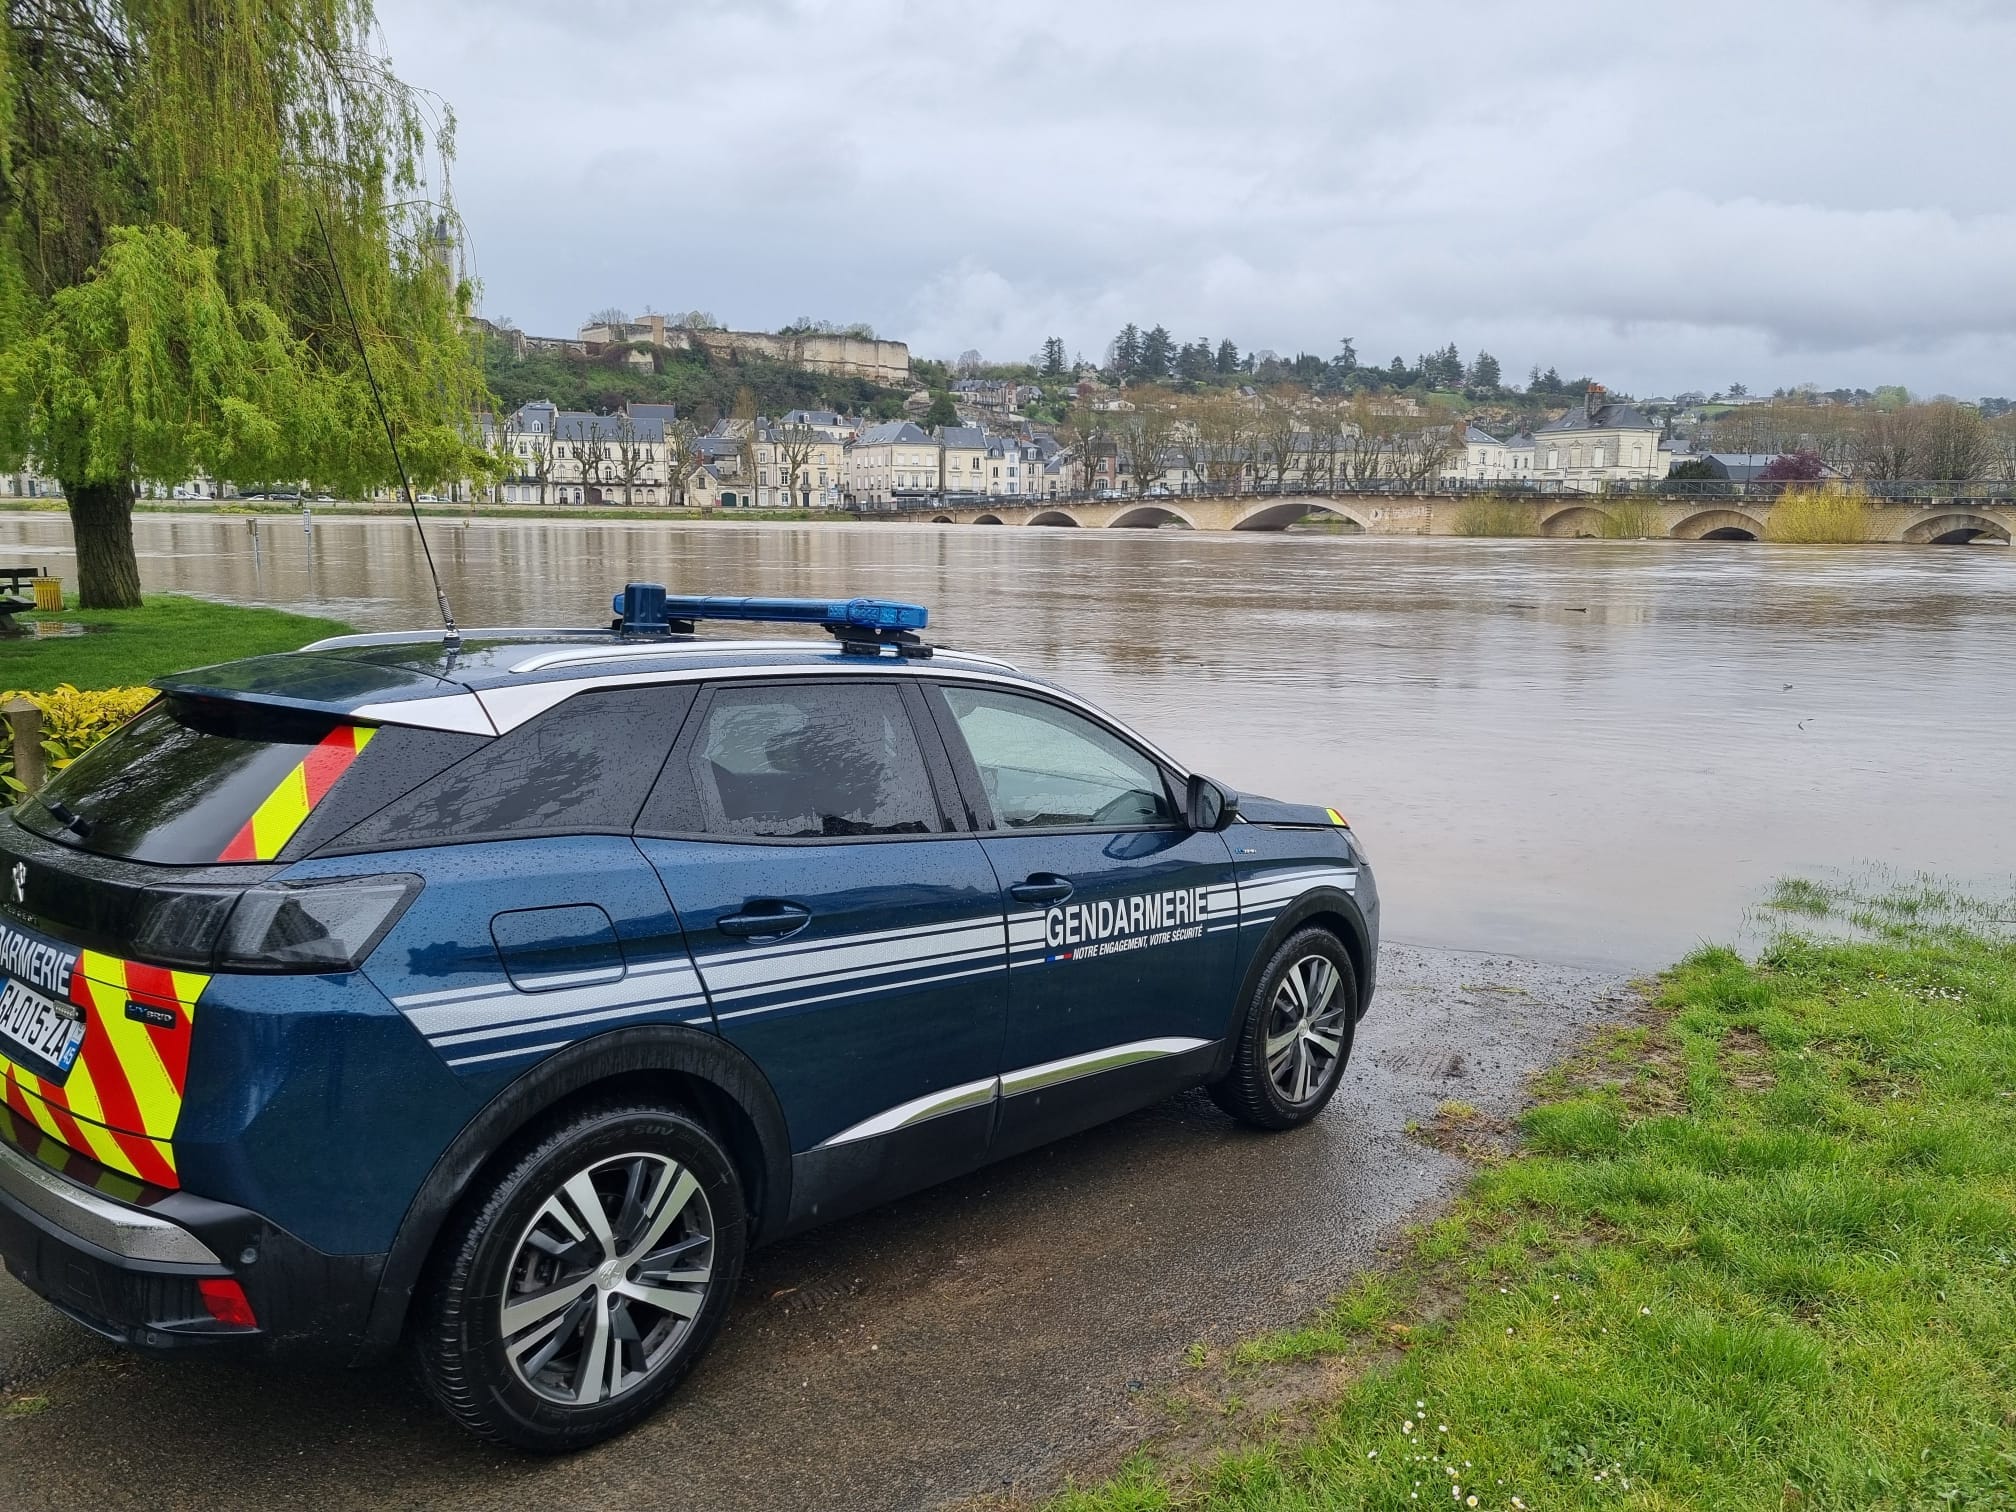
(1593, 400)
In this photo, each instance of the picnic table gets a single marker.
(13, 603)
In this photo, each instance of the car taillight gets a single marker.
(313, 926)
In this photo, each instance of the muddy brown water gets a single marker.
(1587, 751)
(1582, 753)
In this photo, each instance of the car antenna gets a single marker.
(451, 638)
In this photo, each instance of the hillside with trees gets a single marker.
(699, 384)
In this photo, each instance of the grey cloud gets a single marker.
(1666, 197)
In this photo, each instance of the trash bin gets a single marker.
(48, 593)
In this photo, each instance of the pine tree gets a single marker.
(168, 304)
(1126, 354)
(1053, 357)
(1158, 350)
(1484, 372)
(1228, 357)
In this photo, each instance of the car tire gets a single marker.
(1291, 1051)
(616, 1296)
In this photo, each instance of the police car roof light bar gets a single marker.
(862, 625)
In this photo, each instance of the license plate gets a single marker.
(39, 1032)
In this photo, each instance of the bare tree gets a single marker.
(1365, 443)
(1143, 440)
(1888, 445)
(630, 455)
(2002, 448)
(590, 448)
(1223, 427)
(1091, 440)
(537, 463)
(1421, 450)
(682, 457)
(1955, 442)
(793, 445)
(1274, 438)
(1319, 464)
(609, 315)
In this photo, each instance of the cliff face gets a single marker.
(886, 362)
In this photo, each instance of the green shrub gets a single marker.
(73, 721)
(1630, 519)
(1497, 517)
(1819, 517)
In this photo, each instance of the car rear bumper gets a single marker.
(131, 1271)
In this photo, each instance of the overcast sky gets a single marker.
(1666, 197)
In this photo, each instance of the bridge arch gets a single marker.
(1956, 530)
(1148, 516)
(1718, 525)
(1283, 513)
(1054, 517)
(987, 519)
(941, 519)
(1578, 521)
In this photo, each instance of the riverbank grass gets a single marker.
(1757, 1250)
(169, 633)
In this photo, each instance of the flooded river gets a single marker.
(1582, 751)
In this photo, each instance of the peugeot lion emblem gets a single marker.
(20, 881)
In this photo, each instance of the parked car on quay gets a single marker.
(495, 996)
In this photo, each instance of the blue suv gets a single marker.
(492, 995)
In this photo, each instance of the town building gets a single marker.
(1598, 443)
(891, 461)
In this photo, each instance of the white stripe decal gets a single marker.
(492, 989)
(787, 950)
(738, 973)
(830, 997)
(574, 1021)
(514, 1007)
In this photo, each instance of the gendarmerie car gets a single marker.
(495, 994)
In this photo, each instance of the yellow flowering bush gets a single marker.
(73, 721)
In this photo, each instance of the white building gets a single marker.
(889, 460)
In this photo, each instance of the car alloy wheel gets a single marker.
(1306, 1026)
(607, 1278)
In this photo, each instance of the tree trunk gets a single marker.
(101, 522)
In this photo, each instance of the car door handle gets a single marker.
(765, 920)
(1043, 887)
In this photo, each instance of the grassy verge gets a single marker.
(1757, 1249)
(168, 633)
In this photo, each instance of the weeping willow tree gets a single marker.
(179, 182)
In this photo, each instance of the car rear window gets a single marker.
(193, 781)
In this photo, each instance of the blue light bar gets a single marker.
(651, 608)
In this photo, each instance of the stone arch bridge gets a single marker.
(1918, 522)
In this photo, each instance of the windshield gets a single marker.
(189, 782)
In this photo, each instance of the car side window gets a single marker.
(803, 763)
(1046, 768)
(584, 765)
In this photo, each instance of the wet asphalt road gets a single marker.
(989, 1334)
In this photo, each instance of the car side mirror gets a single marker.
(1209, 805)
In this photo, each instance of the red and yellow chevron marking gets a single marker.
(1337, 818)
(273, 823)
(124, 1096)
